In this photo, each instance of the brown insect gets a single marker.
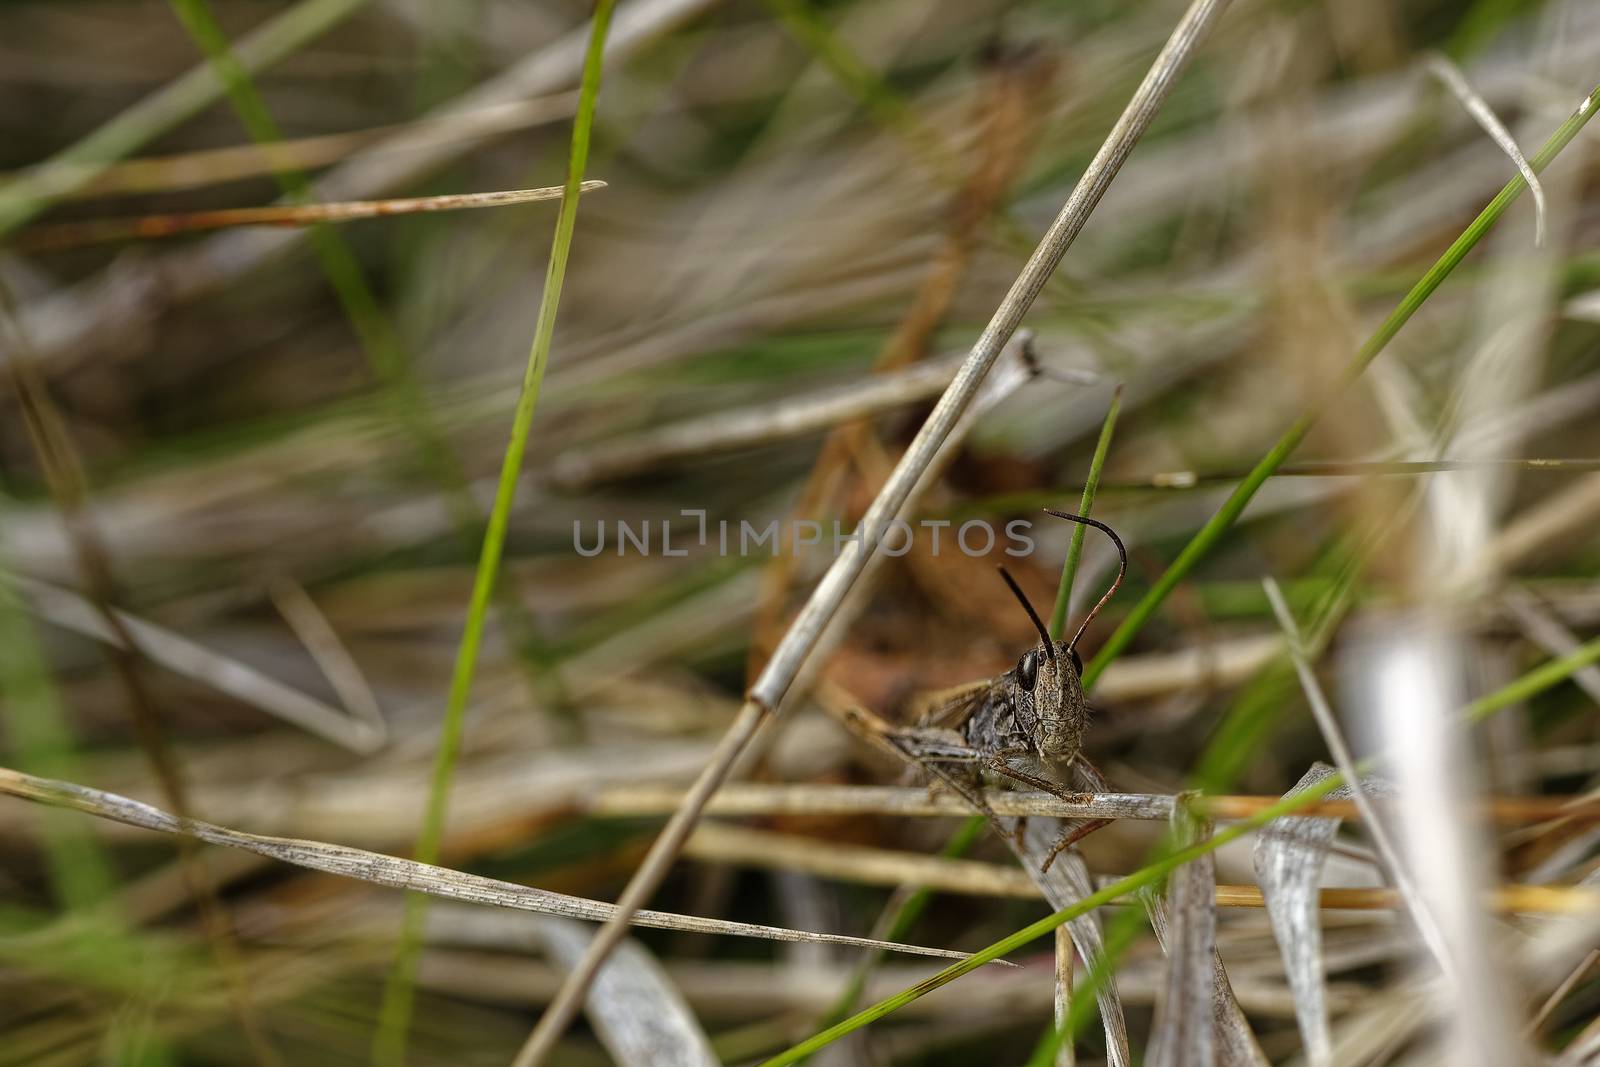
(1026, 725)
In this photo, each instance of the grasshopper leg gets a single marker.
(932, 754)
(1075, 831)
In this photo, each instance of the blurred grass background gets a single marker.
(292, 471)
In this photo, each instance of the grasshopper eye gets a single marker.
(1028, 671)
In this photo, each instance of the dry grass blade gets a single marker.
(1510, 899)
(184, 657)
(97, 231)
(1289, 855)
(1234, 1042)
(213, 166)
(1559, 993)
(1221, 665)
(26, 195)
(1230, 1035)
(398, 873)
(1067, 1054)
(1448, 73)
(720, 843)
(1183, 1031)
(322, 641)
(1409, 678)
(637, 1013)
(792, 652)
(764, 799)
(749, 427)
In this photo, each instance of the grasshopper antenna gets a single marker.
(1044, 635)
(1122, 570)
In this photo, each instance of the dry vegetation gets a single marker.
(249, 472)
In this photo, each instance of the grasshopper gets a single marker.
(1026, 725)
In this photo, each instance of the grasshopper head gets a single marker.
(1047, 697)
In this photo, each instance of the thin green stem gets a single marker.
(1069, 569)
(399, 993)
(1534, 682)
(1213, 531)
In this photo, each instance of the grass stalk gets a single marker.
(1119, 937)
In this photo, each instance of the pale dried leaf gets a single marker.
(1231, 1035)
(1183, 1031)
(178, 654)
(636, 1012)
(1289, 855)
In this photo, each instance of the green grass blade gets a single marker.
(1069, 569)
(1534, 682)
(399, 993)
(1219, 524)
